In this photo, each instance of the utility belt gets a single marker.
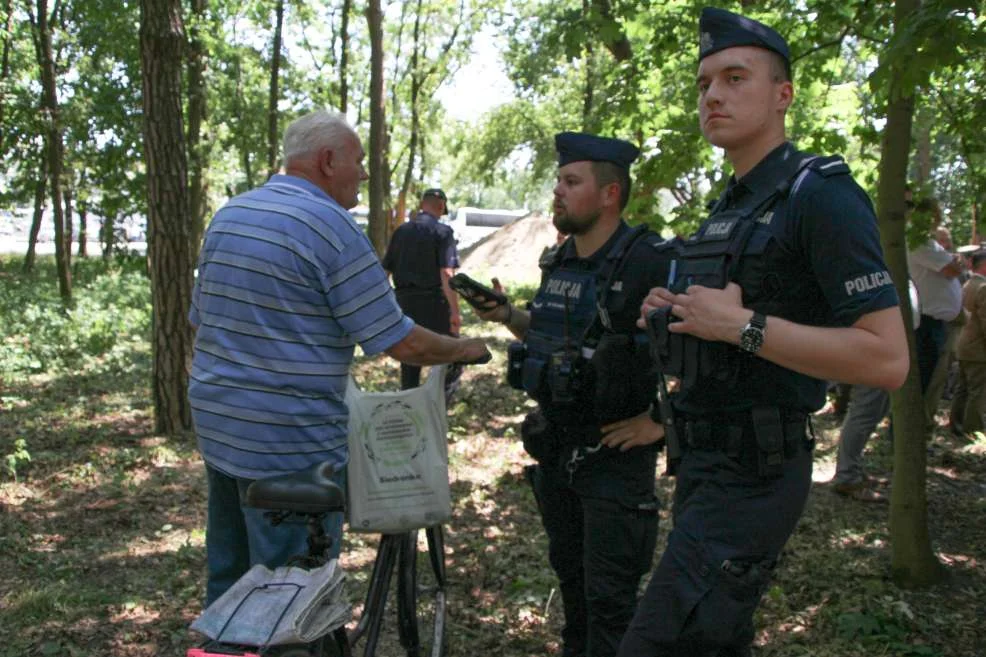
(762, 439)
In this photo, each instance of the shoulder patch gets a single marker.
(833, 165)
(551, 257)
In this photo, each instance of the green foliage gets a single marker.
(112, 310)
(16, 456)
(887, 626)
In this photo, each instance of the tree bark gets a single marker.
(378, 211)
(107, 236)
(55, 148)
(239, 102)
(169, 252)
(39, 211)
(197, 113)
(83, 211)
(68, 194)
(275, 78)
(618, 45)
(587, 89)
(347, 8)
(8, 15)
(912, 561)
(412, 146)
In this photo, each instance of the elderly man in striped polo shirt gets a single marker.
(287, 285)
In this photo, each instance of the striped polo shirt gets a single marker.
(287, 285)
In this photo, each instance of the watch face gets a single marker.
(752, 339)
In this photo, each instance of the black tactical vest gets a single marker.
(574, 365)
(728, 248)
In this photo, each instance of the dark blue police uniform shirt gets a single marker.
(814, 258)
(418, 249)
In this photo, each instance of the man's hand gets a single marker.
(637, 431)
(493, 312)
(473, 350)
(705, 312)
(655, 299)
(455, 323)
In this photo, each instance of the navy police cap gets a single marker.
(579, 146)
(435, 192)
(720, 29)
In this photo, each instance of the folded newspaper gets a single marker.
(286, 605)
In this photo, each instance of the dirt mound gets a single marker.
(512, 252)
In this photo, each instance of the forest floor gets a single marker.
(102, 532)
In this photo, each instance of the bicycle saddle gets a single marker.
(306, 491)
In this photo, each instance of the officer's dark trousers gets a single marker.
(601, 536)
(428, 308)
(929, 338)
(727, 519)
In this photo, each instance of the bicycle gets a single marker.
(311, 494)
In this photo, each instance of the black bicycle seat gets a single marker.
(307, 491)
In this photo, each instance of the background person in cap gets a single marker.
(808, 300)
(592, 436)
(969, 401)
(421, 258)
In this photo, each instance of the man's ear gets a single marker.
(326, 161)
(611, 194)
(785, 95)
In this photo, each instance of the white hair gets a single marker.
(313, 131)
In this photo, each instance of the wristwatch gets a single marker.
(752, 335)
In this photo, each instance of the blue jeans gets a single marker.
(238, 537)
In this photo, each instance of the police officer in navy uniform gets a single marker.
(584, 360)
(782, 288)
(421, 258)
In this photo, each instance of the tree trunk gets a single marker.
(83, 210)
(69, 196)
(912, 561)
(275, 75)
(922, 173)
(347, 7)
(239, 103)
(168, 250)
(107, 236)
(587, 88)
(55, 148)
(197, 113)
(412, 146)
(378, 215)
(39, 211)
(8, 14)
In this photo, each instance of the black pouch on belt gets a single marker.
(769, 432)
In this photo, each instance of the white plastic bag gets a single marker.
(398, 457)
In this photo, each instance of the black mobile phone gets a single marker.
(474, 292)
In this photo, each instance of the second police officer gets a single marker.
(586, 364)
(783, 288)
(421, 258)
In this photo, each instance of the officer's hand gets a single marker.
(455, 324)
(473, 350)
(492, 312)
(658, 297)
(710, 313)
(637, 431)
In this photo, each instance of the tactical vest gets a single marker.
(572, 363)
(722, 251)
